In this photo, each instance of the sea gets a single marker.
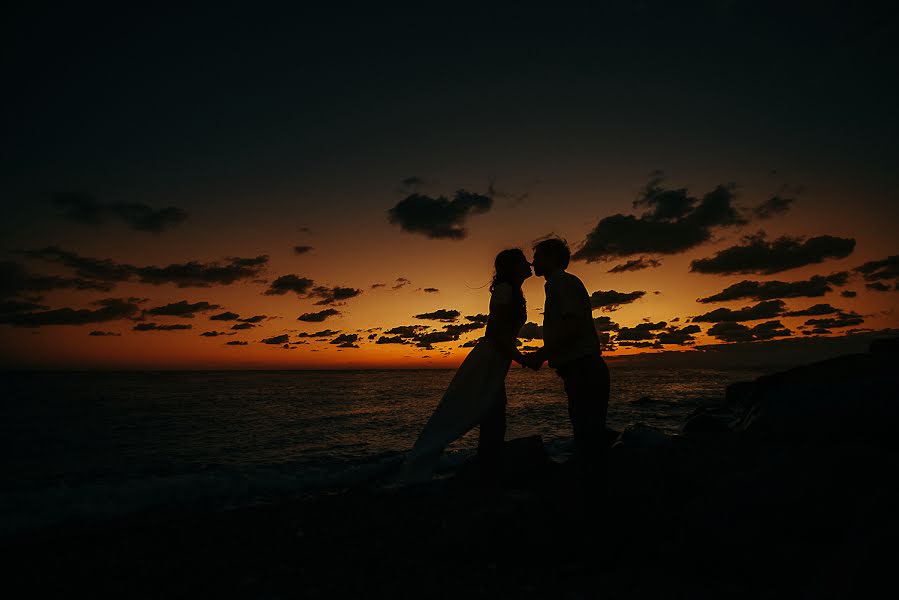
(96, 445)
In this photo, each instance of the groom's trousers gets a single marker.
(587, 386)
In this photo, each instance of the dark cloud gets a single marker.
(158, 327)
(253, 319)
(19, 306)
(345, 338)
(225, 316)
(239, 326)
(319, 334)
(391, 340)
(289, 283)
(412, 181)
(378, 285)
(816, 286)
(438, 218)
(97, 333)
(348, 345)
(728, 331)
(843, 319)
(182, 308)
(643, 331)
(531, 331)
(673, 223)
(236, 343)
(470, 343)
(463, 328)
(479, 318)
(610, 300)
(276, 340)
(878, 286)
(318, 317)
(400, 282)
(641, 344)
(424, 340)
(678, 336)
(848, 294)
(406, 331)
(15, 280)
(111, 309)
(756, 255)
(880, 270)
(302, 249)
(605, 324)
(440, 315)
(87, 210)
(189, 274)
(214, 333)
(333, 295)
(763, 310)
(430, 290)
(774, 206)
(814, 310)
(635, 265)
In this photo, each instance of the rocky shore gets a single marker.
(786, 490)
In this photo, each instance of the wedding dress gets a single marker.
(470, 394)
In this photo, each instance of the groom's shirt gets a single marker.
(567, 298)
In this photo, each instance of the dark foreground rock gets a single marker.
(732, 508)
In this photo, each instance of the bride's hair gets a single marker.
(504, 266)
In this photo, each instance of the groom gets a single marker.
(571, 345)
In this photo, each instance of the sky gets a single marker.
(245, 186)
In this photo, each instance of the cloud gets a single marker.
(406, 331)
(236, 343)
(87, 210)
(848, 294)
(462, 328)
(97, 333)
(610, 300)
(531, 331)
(814, 310)
(289, 283)
(189, 274)
(182, 308)
(400, 282)
(729, 331)
(318, 317)
(239, 326)
(225, 316)
(302, 249)
(774, 206)
(678, 336)
(635, 265)
(214, 333)
(333, 295)
(391, 340)
(345, 338)
(378, 285)
(643, 331)
(438, 218)
(478, 318)
(843, 319)
(605, 324)
(430, 290)
(763, 310)
(880, 270)
(111, 309)
(19, 306)
(276, 340)
(756, 255)
(439, 315)
(878, 286)
(253, 319)
(817, 285)
(674, 222)
(158, 327)
(319, 334)
(424, 340)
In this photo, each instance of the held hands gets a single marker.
(532, 360)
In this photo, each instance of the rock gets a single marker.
(844, 399)
(702, 420)
(886, 346)
(641, 436)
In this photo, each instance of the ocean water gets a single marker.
(98, 444)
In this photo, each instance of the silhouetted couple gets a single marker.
(477, 393)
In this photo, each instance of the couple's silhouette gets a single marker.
(477, 393)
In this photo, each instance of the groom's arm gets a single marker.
(567, 335)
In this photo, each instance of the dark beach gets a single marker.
(785, 491)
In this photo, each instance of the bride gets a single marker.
(477, 393)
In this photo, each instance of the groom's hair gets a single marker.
(556, 249)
